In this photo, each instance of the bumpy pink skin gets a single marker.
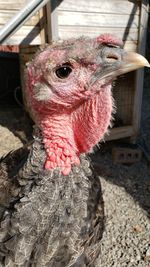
(109, 39)
(72, 117)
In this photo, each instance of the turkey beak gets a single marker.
(117, 62)
(132, 61)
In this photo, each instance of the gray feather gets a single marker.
(48, 219)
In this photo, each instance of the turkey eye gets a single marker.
(113, 45)
(63, 72)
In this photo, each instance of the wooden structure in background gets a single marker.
(33, 32)
(126, 19)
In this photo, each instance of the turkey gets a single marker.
(51, 205)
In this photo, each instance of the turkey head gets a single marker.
(68, 91)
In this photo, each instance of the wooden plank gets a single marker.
(54, 20)
(129, 44)
(97, 20)
(49, 22)
(120, 132)
(6, 15)
(140, 73)
(129, 34)
(104, 6)
(13, 5)
(25, 30)
(28, 49)
(25, 35)
(13, 41)
(43, 25)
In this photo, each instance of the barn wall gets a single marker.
(31, 32)
(119, 17)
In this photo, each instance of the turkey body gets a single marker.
(48, 219)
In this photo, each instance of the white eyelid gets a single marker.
(42, 92)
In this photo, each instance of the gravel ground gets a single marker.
(127, 208)
(126, 189)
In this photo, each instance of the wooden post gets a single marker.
(54, 20)
(43, 23)
(140, 73)
(49, 22)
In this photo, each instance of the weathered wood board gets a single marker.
(30, 33)
(119, 17)
(12, 5)
(98, 6)
(96, 19)
(5, 16)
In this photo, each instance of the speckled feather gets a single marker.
(49, 219)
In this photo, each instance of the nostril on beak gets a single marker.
(110, 58)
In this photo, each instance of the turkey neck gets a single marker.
(59, 142)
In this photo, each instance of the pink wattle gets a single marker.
(58, 139)
(66, 136)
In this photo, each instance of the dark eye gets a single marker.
(63, 71)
